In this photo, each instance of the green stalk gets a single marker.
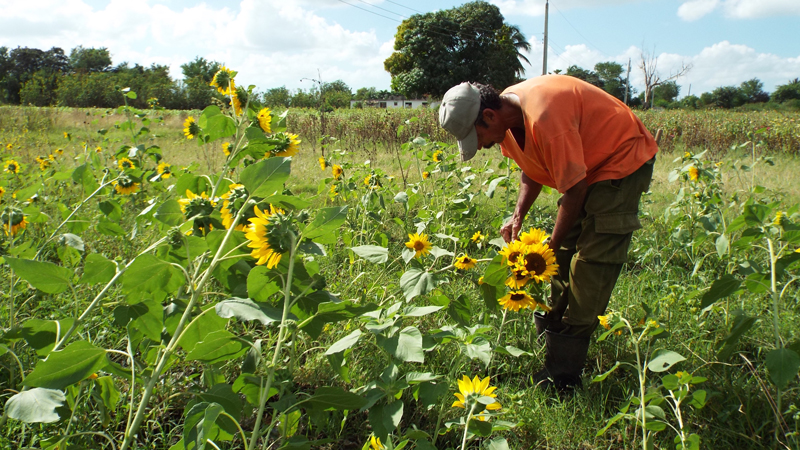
(130, 433)
(641, 370)
(53, 234)
(466, 427)
(99, 297)
(287, 304)
(775, 327)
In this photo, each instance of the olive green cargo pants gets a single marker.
(591, 257)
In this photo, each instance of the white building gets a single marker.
(399, 102)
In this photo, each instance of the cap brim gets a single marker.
(469, 145)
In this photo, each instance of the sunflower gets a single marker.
(538, 262)
(196, 205)
(687, 155)
(125, 164)
(516, 300)
(518, 279)
(471, 390)
(605, 321)
(262, 235)
(694, 174)
(425, 175)
(126, 186)
(51, 157)
(98, 149)
(287, 144)
(478, 237)
(200, 227)
(337, 171)
(322, 163)
(437, 156)
(44, 163)
(334, 190)
(2, 191)
(13, 221)
(11, 166)
(465, 262)
(237, 104)
(264, 120)
(419, 243)
(163, 169)
(226, 148)
(190, 128)
(223, 81)
(511, 251)
(235, 192)
(778, 219)
(67, 135)
(375, 443)
(372, 181)
(9, 146)
(534, 236)
(59, 151)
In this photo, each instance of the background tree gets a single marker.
(666, 92)
(278, 97)
(197, 75)
(90, 59)
(336, 94)
(786, 92)
(585, 75)
(437, 50)
(23, 62)
(727, 97)
(753, 91)
(200, 68)
(610, 73)
(305, 99)
(652, 78)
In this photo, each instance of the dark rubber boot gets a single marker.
(564, 360)
(540, 320)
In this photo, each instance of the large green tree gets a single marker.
(437, 50)
(90, 59)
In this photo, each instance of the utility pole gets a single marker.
(628, 82)
(544, 58)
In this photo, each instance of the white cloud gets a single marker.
(696, 9)
(739, 9)
(721, 64)
(510, 8)
(269, 42)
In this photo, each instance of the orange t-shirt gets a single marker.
(576, 131)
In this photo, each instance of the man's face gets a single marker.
(493, 133)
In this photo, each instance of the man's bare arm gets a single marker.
(568, 212)
(528, 193)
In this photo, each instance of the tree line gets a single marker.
(609, 77)
(86, 77)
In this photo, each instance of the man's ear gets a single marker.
(489, 116)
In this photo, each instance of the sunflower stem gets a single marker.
(466, 427)
(164, 356)
(282, 331)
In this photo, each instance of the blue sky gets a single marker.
(286, 42)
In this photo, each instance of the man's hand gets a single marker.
(510, 230)
(528, 191)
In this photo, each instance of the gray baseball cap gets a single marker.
(458, 113)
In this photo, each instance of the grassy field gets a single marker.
(674, 262)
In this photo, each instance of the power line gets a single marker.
(404, 6)
(579, 33)
(371, 12)
(383, 9)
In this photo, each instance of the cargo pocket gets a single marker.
(617, 223)
(608, 238)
